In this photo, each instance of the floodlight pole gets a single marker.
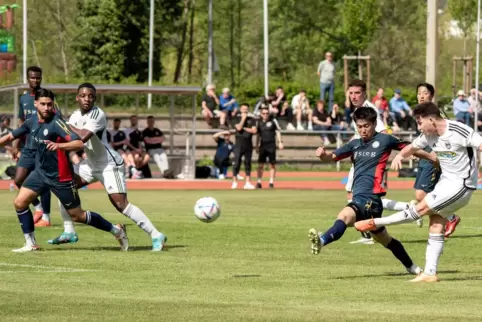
(477, 58)
(210, 42)
(432, 42)
(266, 44)
(24, 67)
(151, 50)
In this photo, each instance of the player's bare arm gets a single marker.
(84, 134)
(407, 152)
(6, 139)
(74, 145)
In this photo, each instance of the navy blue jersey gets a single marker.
(370, 161)
(223, 150)
(26, 106)
(55, 165)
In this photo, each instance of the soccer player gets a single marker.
(357, 96)
(369, 153)
(102, 164)
(456, 146)
(427, 174)
(53, 172)
(26, 162)
(268, 132)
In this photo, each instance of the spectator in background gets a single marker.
(401, 111)
(475, 105)
(348, 110)
(462, 110)
(5, 130)
(286, 114)
(222, 158)
(119, 143)
(326, 73)
(141, 158)
(209, 103)
(133, 127)
(153, 139)
(228, 107)
(337, 119)
(321, 121)
(301, 108)
(278, 101)
(382, 101)
(389, 122)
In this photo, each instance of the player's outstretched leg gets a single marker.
(394, 205)
(45, 200)
(412, 213)
(319, 240)
(452, 222)
(25, 217)
(20, 176)
(69, 235)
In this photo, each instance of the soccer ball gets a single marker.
(207, 209)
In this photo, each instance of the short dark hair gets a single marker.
(426, 110)
(428, 86)
(132, 116)
(245, 104)
(279, 87)
(34, 69)
(87, 85)
(322, 102)
(358, 83)
(150, 117)
(365, 113)
(302, 90)
(43, 92)
(117, 119)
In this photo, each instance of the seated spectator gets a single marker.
(348, 111)
(120, 144)
(301, 108)
(401, 111)
(286, 115)
(139, 155)
(224, 149)
(209, 103)
(228, 107)
(321, 121)
(153, 138)
(337, 119)
(462, 110)
(5, 130)
(389, 122)
(278, 101)
(382, 101)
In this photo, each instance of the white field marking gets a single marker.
(49, 268)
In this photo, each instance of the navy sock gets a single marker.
(95, 220)
(35, 202)
(334, 233)
(45, 201)
(400, 253)
(26, 220)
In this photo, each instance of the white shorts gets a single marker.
(448, 197)
(304, 111)
(111, 177)
(349, 183)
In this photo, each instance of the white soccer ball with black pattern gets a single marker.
(207, 209)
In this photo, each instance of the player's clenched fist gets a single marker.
(320, 152)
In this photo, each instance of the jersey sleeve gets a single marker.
(22, 130)
(21, 112)
(345, 151)
(63, 130)
(96, 123)
(420, 142)
(396, 144)
(474, 140)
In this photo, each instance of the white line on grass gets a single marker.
(51, 269)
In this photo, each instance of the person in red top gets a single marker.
(383, 101)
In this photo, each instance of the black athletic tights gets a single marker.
(241, 150)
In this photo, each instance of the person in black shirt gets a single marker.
(268, 131)
(119, 143)
(153, 138)
(139, 155)
(209, 102)
(321, 121)
(223, 152)
(245, 126)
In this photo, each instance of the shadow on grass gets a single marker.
(421, 241)
(463, 278)
(390, 274)
(114, 248)
(246, 276)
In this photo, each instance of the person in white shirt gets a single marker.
(103, 164)
(454, 147)
(301, 107)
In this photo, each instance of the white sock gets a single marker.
(46, 217)
(394, 205)
(259, 180)
(30, 239)
(141, 220)
(435, 248)
(68, 222)
(38, 207)
(408, 215)
(310, 124)
(271, 180)
(348, 200)
(451, 217)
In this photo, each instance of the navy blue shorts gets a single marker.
(65, 191)
(366, 207)
(427, 178)
(27, 159)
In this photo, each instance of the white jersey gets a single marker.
(456, 150)
(380, 125)
(98, 150)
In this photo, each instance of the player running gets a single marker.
(102, 164)
(26, 162)
(369, 153)
(456, 146)
(427, 174)
(53, 172)
(268, 132)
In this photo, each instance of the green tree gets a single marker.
(465, 13)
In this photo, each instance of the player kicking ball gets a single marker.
(53, 172)
(102, 164)
(369, 153)
(456, 146)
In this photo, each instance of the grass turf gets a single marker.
(253, 264)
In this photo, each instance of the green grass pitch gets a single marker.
(252, 264)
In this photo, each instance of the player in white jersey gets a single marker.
(357, 94)
(455, 146)
(102, 164)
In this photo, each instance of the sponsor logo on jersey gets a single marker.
(446, 154)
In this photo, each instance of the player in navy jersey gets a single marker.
(53, 171)
(26, 162)
(369, 154)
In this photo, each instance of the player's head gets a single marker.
(425, 93)
(366, 120)
(34, 77)
(86, 94)
(427, 114)
(44, 102)
(150, 121)
(117, 123)
(357, 91)
(264, 114)
(244, 108)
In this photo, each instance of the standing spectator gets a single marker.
(245, 126)
(119, 143)
(227, 107)
(268, 131)
(322, 121)
(383, 102)
(326, 73)
(401, 110)
(209, 103)
(462, 110)
(301, 107)
(223, 153)
(153, 139)
(141, 158)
